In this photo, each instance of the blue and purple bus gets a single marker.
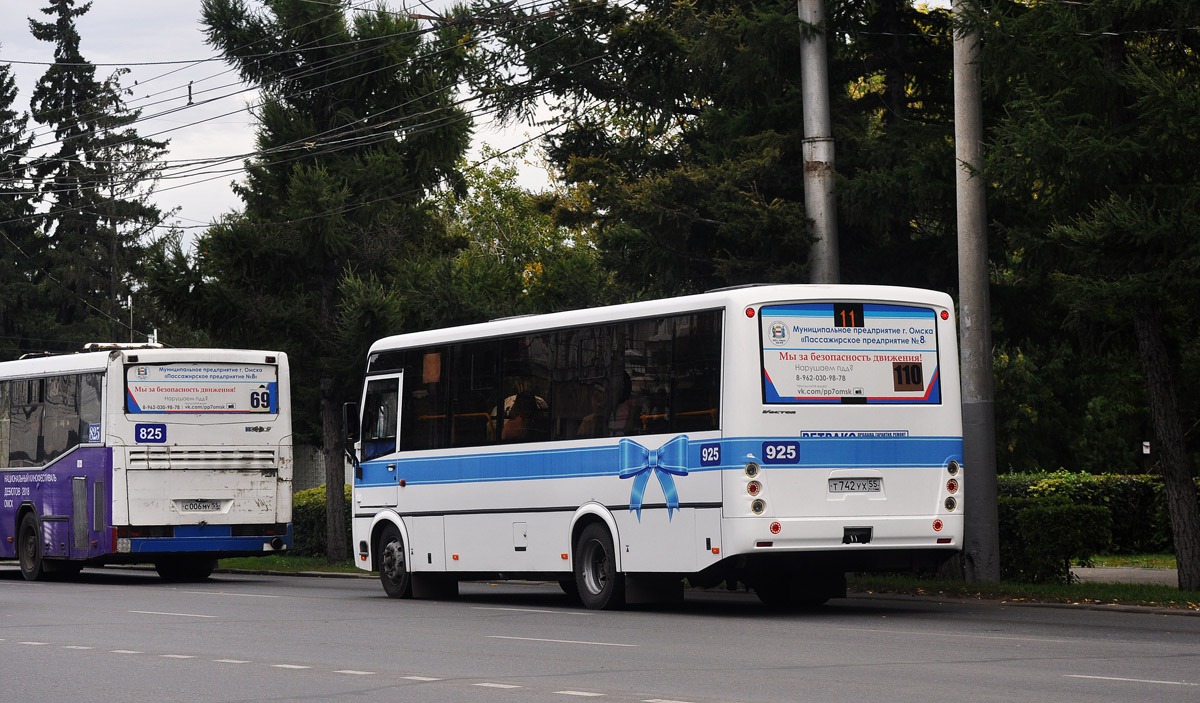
(140, 454)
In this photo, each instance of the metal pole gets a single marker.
(981, 548)
(819, 200)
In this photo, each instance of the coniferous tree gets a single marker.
(1095, 162)
(97, 185)
(20, 241)
(357, 128)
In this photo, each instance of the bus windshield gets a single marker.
(201, 388)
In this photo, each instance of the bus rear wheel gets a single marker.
(29, 548)
(600, 586)
(393, 567)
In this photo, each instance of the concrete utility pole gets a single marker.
(819, 200)
(981, 548)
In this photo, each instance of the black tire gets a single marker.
(393, 563)
(599, 585)
(185, 570)
(29, 548)
(568, 587)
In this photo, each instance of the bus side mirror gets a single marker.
(350, 423)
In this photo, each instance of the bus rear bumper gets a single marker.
(841, 534)
(223, 540)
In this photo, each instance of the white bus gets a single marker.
(175, 457)
(778, 436)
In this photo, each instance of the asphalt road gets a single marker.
(125, 635)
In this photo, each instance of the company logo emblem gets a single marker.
(778, 333)
(258, 428)
(142, 373)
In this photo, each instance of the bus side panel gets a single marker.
(72, 498)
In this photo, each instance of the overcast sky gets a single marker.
(132, 32)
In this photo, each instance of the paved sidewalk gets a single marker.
(1108, 574)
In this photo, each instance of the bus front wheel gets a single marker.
(600, 586)
(393, 568)
(29, 548)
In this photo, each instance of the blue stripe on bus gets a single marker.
(584, 462)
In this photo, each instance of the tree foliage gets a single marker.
(98, 185)
(1095, 161)
(682, 123)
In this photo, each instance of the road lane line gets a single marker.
(662, 700)
(33, 644)
(539, 639)
(420, 678)
(177, 656)
(531, 610)
(1118, 678)
(76, 646)
(589, 694)
(1004, 638)
(180, 615)
(123, 651)
(354, 672)
(232, 661)
(230, 593)
(496, 685)
(290, 666)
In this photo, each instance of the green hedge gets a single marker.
(308, 522)
(1137, 503)
(1039, 537)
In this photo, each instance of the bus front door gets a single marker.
(380, 429)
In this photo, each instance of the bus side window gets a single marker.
(476, 381)
(695, 373)
(25, 423)
(90, 385)
(5, 397)
(60, 425)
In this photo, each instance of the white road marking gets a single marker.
(177, 656)
(539, 639)
(290, 666)
(232, 661)
(580, 693)
(123, 651)
(180, 615)
(1117, 678)
(76, 646)
(228, 593)
(877, 630)
(420, 678)
(662, 700)
(33, 644)
(354, 672)
(496, 685)
(531, 610)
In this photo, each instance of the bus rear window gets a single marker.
(201, 388)
(849, 352)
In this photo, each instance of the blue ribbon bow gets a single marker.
(638, 463)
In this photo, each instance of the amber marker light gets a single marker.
(564, 557)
